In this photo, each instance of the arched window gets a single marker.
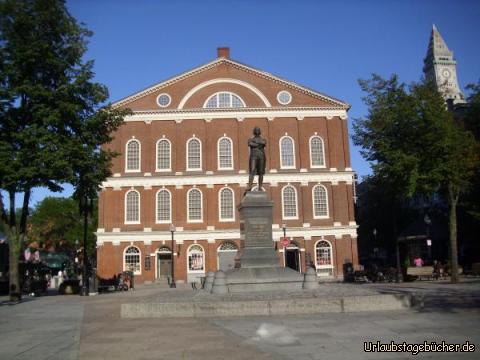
(226, 205)
(194, 154)
(196, 259)
(194, 205)
(317, 153)
(164, 207)
(224, 100)
(132, 160)
(163, 155)
(287, 153)
(324, 258)
(320, 202)
(289, 202)
(225, 154)
(131, 260)
(132, 207)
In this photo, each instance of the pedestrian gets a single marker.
(418, 261)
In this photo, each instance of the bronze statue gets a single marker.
(256, 163)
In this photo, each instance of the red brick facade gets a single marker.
(182, 117)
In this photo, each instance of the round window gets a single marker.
(163, 100)
(284, 97)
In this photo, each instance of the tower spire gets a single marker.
(441, 67)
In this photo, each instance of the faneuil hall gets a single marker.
(183, 169)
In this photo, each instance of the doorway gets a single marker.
(292, 258)
(163, 264)
(226, 256)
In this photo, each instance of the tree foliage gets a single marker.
(52, 119)
(471, 202)
(56, 222)
(414, 144)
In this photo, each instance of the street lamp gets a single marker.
(399, 276)
(172, 231)
(428, 222)
(375, 249)
(84, 291)
(284, 228)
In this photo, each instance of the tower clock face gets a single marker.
(446, 73)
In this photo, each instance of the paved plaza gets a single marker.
(74, 327)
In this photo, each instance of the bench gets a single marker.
(422, 272)
(475, 270)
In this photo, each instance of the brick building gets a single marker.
(184, 161)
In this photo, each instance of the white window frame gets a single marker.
(280, 93)
(186, 155)
(283, 203)
(169, 158)
(139, 258)
(218, 153)
(127, 170)
(169, 221)
(204, 260)
(313, 202)
(332, 260)
(169, 100)
(188, 206)
(323, 153)
(231, 100)
(139, 207)
(220, 205)
(282, 166)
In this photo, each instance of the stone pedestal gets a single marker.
(260, 269)
(256, 230)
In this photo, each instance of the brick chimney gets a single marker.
(223, 52)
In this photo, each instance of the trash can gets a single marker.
(93, 282)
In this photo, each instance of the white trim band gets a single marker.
(222, 179)
(211, 236)
(235, 113)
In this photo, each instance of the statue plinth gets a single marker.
(256, 231)
(260, 268)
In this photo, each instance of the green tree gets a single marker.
(471, 202)
(48, 104)
(414, 144)
(56, 222)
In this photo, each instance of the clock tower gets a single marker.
(441, 68)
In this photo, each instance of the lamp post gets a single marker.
(84, 291)
(399, 277)
(428, 222)
(375, 249)
(172, 231)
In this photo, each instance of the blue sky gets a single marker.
(325, 45)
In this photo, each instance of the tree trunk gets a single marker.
(14, 255)
(452, 202)
(399, 273)
(16, 237)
